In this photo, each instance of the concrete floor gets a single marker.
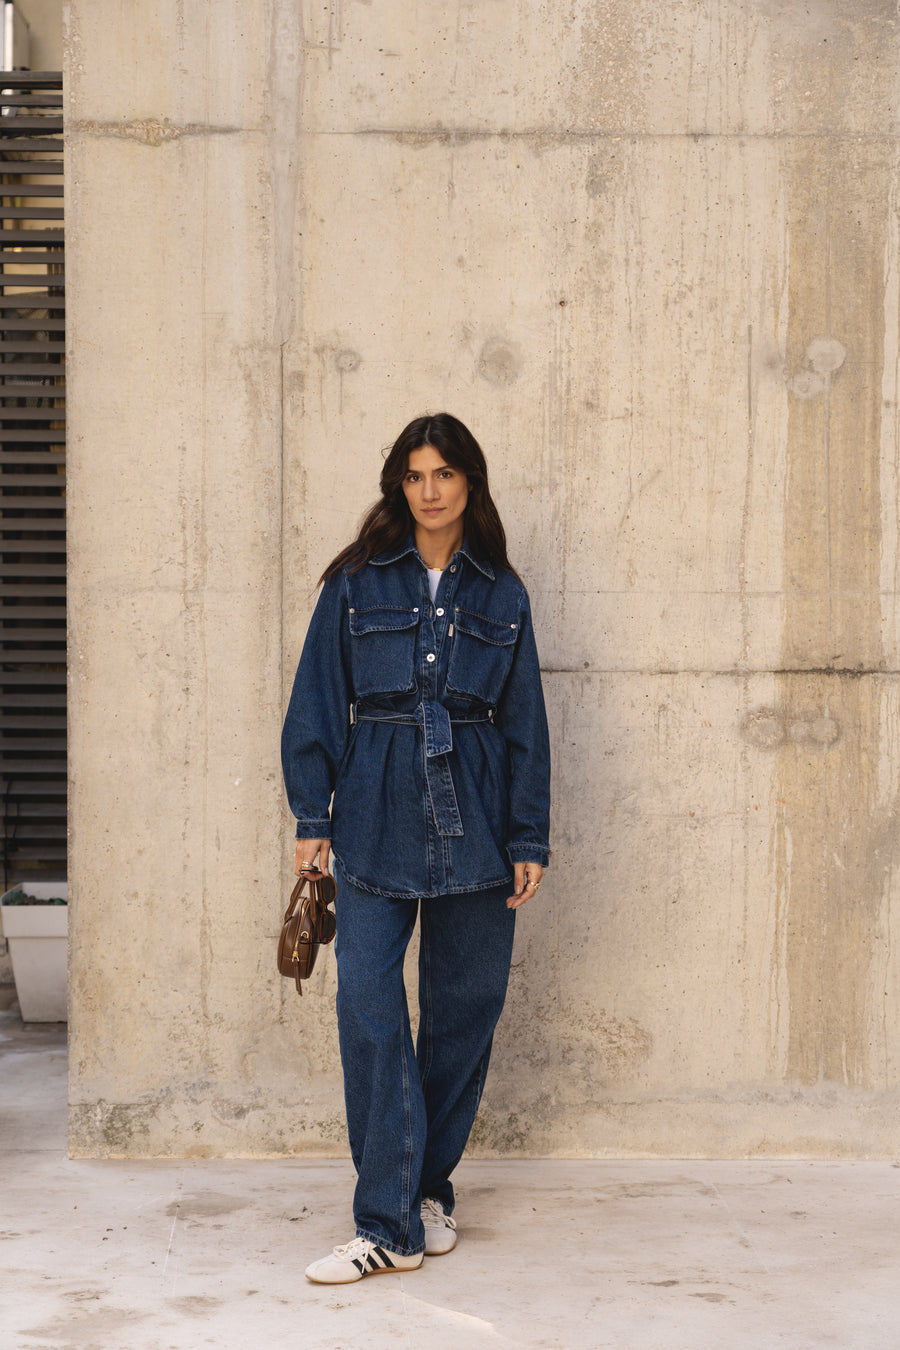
(559, 1255)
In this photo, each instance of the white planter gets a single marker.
(38, 946)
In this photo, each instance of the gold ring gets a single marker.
(305, 864)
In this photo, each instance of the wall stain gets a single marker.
(147, 130)
(324, 29)
(613, 1047)
(347, 361)
(118, 1127)
(500, 1133)
(500, 362)
(768, 728)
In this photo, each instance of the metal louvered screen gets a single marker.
(32, 479)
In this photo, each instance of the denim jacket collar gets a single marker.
(409, 546)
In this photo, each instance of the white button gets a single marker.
(439, 613)
(453, 568)
(430, 656)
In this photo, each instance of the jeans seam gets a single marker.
(425, 1069)
(408, 1145)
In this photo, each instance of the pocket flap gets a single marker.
(495, 631)
(382, 619)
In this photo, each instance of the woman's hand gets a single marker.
(527, 879)
(305, 858)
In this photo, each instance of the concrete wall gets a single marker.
(650, 252)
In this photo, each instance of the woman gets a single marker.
(418, 705)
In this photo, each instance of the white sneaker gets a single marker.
(440, 1228)
(356, 1259)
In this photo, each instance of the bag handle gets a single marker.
(321, 894)
(296, 894)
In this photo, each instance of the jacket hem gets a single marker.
(506, 880)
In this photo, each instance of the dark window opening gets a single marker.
(32, 479)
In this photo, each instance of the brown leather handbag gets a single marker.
(308, 922)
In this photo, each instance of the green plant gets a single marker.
(18, 897)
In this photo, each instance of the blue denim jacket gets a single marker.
(426, 722)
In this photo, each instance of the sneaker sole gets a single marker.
(382, 1270)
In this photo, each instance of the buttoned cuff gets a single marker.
(314, 829)
(526, 853)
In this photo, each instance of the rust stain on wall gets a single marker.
(829, 875)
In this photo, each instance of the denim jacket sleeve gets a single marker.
(317, 723)
(522, 719)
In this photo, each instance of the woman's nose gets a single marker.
(429, 490)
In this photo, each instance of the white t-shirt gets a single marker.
(434, 576)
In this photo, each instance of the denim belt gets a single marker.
(436, 723)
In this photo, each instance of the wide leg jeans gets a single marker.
(410, 1110)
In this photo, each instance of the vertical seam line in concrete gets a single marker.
(279, 450)
(404, 1304)
(825, 885)
(172, 1231)
(170, 1244)
(748, 507)
(204, 554)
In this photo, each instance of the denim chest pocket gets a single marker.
(383, 649)
(481, 655)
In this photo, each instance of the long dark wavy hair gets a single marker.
(388, 522)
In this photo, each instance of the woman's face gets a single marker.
(436, 493)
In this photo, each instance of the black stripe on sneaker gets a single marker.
(359, 1266)
(385, 1259)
